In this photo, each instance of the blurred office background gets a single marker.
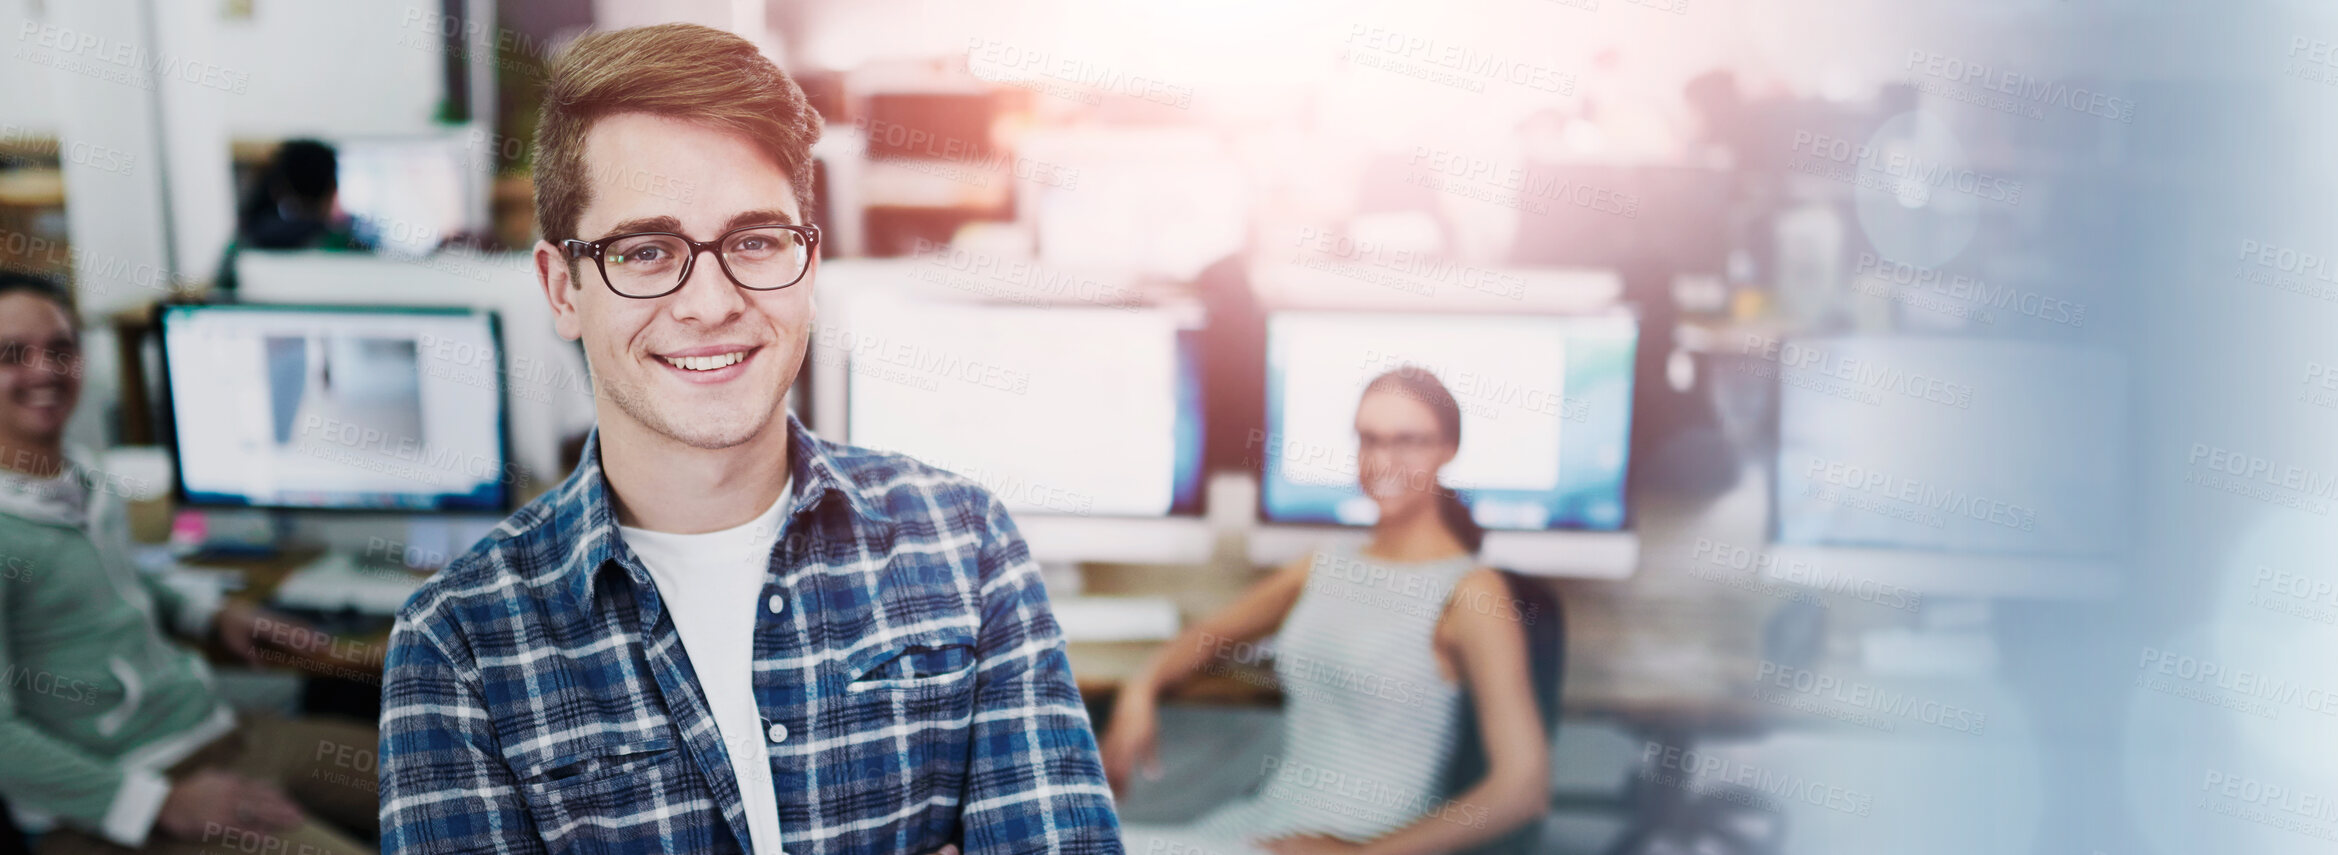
(1913, 407)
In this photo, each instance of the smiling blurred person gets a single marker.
(114, 736)
(722, 633)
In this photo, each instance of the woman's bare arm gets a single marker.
(1258, 612)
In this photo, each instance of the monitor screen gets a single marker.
(1070, 411)
(407, 195)
(1950, 445)
(337, 407)
(1545, 413)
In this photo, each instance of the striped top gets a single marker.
(1369, 721)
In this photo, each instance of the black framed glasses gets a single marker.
(648, 265)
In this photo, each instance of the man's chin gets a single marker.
(711, 431)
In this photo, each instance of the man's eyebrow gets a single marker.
(760, 218)
(660, 223)
(666, 223)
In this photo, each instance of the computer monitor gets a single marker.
(337, 407)
(408, 195)
(1952, 445)
(1060, 411)
(1545, 406)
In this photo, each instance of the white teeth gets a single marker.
(705, 363)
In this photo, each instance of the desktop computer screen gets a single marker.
(409, 194)
(1070, 411)
(353, 408)
(1951, 445)
(1545, 413)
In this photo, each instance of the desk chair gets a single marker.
(1546, 641)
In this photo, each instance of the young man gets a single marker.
(722, 633)
(111, 733)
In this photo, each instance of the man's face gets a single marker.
(40, 368)
(652, 173)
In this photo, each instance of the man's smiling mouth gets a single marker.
(705, 363)
(711, 361)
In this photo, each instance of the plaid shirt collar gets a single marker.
(587, 520)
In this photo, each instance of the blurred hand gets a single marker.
(1308, 844)
(1132, 740)
(240, 626)
(947, 849)
(212, 799)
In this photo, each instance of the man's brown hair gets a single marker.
(682, 71)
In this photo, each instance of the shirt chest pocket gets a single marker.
(614, 796)
(924, 666)
(919, 690)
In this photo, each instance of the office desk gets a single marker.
(357, 658)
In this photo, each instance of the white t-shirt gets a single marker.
(712, 584)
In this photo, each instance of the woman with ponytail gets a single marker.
(1377, 647)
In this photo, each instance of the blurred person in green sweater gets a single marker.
(113, 734)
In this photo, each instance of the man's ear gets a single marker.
(559, 289)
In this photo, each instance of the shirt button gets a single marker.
(778, 732)
(776, 604)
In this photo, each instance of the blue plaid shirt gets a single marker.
(913, 685)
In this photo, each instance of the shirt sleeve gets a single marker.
(56, 776)
(443, 786)
(1035, 782)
